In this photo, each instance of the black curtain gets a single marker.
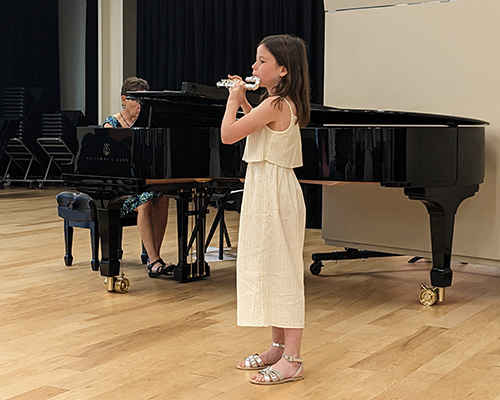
(91, 64)
(29, 48)
(203, 40)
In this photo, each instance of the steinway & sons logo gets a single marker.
(106, 151)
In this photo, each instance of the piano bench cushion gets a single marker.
(76, 207)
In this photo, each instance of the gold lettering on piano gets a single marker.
(108, 159)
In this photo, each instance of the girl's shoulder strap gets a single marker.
(289, 106)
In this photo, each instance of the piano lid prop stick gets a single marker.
(253, 83)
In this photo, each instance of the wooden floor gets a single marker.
(63, 336)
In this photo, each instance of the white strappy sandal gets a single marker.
(255, 362)
(273, 377)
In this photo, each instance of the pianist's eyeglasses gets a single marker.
(141, 102)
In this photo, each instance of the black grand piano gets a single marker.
(436, 159)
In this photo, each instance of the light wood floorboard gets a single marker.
(63, 336)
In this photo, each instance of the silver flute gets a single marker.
(253, 83)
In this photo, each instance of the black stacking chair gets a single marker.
(26, 160)
(229, 201)
(8, 128)
(59, 142)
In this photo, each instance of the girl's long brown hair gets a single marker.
(290, 52)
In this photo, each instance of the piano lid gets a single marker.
(323, 115)
(192, 93)
(197, 104)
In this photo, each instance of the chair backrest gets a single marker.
(8, 128)
(23, 103)
(62, 125)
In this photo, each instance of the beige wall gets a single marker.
(436, 58)
(117, 44)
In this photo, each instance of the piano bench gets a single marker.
(79, 211)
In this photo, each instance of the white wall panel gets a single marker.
(117, 51)
(72, 54)
(334, 5)
(436, 58)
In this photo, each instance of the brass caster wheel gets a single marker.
(117, 284)
(122, 285)
(429, 296)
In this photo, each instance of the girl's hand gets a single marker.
(235, 77)
(237, 91)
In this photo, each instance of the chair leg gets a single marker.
(144, 255)
(68, 243)
(226, 234)
(94, 240)
(222, 225)
(223, 235)
(216, 222)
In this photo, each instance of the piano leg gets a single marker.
(442, 204)
(200, 226)
(180, 271)
(110, 232)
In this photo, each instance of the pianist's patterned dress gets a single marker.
(270, 267)
(131, 202)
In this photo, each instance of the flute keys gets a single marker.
(225, 83)
(253, 83)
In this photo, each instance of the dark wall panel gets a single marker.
(29, 47)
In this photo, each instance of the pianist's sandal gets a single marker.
(255, 362)
(161, 268)
(273, 377)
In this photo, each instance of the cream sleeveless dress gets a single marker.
(270, 268)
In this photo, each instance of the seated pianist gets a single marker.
(151, 207)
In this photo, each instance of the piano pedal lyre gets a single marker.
(118, 284)
(429, 296)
